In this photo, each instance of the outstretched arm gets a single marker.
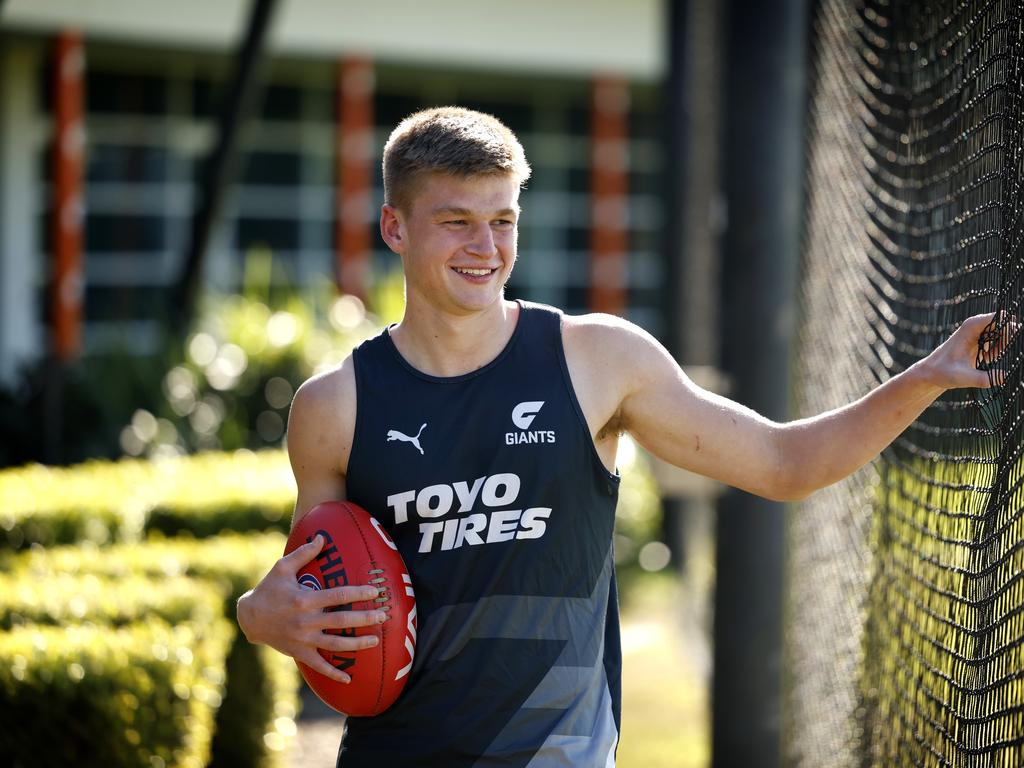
(714, 436)
(834, 444)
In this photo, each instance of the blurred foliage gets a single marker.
(64, 598)
(233, 562)
(638, 519)
(90, 400)
(89, 695)
(100, 501)
(103, 502)
(243, 360)
(224, 383)
(211, 493)
(260, 701)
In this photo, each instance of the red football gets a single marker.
(357, 551)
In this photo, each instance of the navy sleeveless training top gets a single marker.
(490, 485)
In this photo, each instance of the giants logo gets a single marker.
(523, 416)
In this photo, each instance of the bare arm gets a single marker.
(838, 442)
(278, 612)
(716, 437)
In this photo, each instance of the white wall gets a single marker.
(558, 36)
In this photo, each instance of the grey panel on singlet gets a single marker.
(533, 617)
(576, 684)
(560, 751)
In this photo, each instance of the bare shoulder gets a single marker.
(321, 423)
(598, 326)
(607, 342)
(604, 355)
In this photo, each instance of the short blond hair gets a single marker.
(451, 140)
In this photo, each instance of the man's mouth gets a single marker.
(474, 272)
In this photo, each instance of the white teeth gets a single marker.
(479, 272)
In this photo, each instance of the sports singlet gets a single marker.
(490, 486)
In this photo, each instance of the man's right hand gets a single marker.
(290, 618)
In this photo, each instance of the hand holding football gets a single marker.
(358, 551)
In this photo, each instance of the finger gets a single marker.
(340, 644)
(317, 662)
(328, 598)
(1002, 327)
(994, 344)
(349, 619)
(300, 556)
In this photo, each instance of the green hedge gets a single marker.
(212, 493)
(63, 598)
(260, 700)
(87, 695)
(99, 501)
(105, 502)
(235, 561)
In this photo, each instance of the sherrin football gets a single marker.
(357, 551)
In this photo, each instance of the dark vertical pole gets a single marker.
(762, 157)
(692, 194)
(676, 141)
(219, 168)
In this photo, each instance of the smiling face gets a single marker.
(457, 239)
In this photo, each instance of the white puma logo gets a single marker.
(394, 434)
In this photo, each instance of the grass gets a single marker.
(665, 721)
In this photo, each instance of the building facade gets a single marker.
(577, 80)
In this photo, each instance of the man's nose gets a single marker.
(482, 243)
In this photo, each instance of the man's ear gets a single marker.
(392, 228)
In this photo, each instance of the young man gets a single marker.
(482, 433)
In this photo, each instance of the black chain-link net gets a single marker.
(905, 610)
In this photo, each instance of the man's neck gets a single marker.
(446, 345)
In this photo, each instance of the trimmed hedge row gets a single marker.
(234, 561)
(99, 501)
(212, 493)
(104, 502)
(260, 697)
(62, 598)
(87, 695)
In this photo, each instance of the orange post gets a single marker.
(609, 188)
(354, 175)
(66, 223)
